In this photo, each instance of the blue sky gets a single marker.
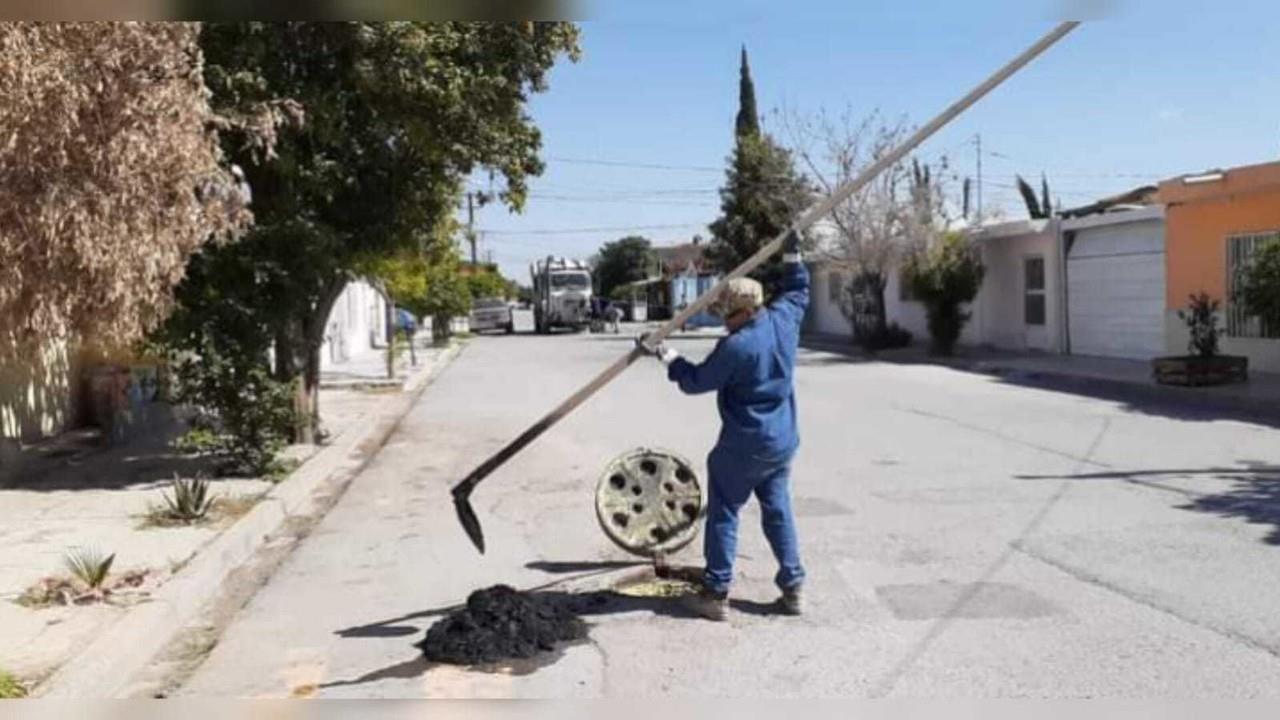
(1150, 90)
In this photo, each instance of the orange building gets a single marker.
(1213, 222)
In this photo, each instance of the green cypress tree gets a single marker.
(748, 122)
(762, 193)
(761, 196)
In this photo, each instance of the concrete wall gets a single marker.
(357, 324)
(825, 316)
(1200, 217)
(38, 393)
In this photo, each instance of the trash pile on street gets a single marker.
(500, 623)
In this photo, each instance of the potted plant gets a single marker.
(1205, 365)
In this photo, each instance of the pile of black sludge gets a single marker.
(499, 623)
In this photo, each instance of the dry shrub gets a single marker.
(110, 176)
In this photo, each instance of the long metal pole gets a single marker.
(462, 491)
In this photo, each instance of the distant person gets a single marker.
(613, 315)
(752, 371)
(407, 326)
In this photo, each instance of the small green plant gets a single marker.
(244, 414)
(90, 567)
(946, 276)
(190, 500)
(278, 469)
(1201, 317)
(199, 441)
(10, 687)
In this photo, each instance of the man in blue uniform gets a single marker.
(752, 371)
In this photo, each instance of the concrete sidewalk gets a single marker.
(98, 498)
(1107, 378)
(368, 370)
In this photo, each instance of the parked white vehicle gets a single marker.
(490, 314)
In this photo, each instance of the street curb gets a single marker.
(106, 666)
(1203, 400)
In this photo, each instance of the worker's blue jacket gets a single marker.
(752, 371)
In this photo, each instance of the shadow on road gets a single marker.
(400, 671)
(1146, 398)
(1253, 497)
(556, 568)
(585, 604)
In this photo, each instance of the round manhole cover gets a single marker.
(648, 502)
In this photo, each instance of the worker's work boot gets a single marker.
(708, 604)
(790, 603)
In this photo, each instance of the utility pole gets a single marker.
(977, 139)
(471, 229)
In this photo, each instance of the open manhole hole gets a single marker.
(648, 502)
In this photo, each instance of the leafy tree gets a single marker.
(871, 232)
(945, 276)
(621, 262)
(448, 296)
(110, 177)
(404, 278)
(387, 121)
(1259, 287)
(487, 283)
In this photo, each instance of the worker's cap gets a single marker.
(739, 294)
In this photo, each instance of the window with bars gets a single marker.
(1033, 291)
(1240, 250)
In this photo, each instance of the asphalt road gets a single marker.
(964, 537)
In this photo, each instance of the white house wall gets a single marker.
(1001, 320)
(357, 324)
(825, 316)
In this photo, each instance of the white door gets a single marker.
(1116, 291)
(1035, 302)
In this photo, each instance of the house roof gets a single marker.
(1141, 196)
(1219, 182)
(1010, 228)
(681, 258)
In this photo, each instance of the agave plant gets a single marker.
(190, 500)
(89, 567)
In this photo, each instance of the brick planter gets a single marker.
(1194, 371)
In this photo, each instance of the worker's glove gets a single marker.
(791, 247)
(660, 351)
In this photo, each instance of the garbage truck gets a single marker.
(561, 294)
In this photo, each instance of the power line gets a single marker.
(628, 200)
(571, 231)
(645, 166)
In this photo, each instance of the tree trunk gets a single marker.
(876, 282)
(308, 387)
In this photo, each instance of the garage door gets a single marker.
(1115, 291)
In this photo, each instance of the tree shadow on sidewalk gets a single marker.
(1253, 497)
(89, 466)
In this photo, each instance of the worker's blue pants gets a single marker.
(734, 476)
